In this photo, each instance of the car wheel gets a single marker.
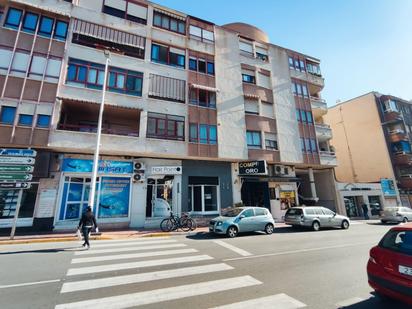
(345, 224)
(231, 231)
(405, 220)
(269, 228)
(316, 226)
(384, 221)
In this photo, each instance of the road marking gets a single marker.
(233, 248)
(349, 302)
(28, 283)
(113, 267)
(278, 301)
(133, 243)
(131, 256)
(137, 239)
(129, 279)
(161, 295)
(113, 250)
(299, 251)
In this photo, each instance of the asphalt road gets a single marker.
(289, 269)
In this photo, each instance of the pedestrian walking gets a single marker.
(365, 211)
(87, 222)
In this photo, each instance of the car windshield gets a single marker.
(294, 211)
(233, 212)
(398, 241)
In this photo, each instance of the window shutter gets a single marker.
(20, 62)
(261, 50)
(264, 81)
(53, 68)
(251, 106)
(137, 10)
(116, 4)
(208, 35)
(193, 30)
(167, 88)
(5, 57)
(38, 64)
(247, 47)
(267, 110)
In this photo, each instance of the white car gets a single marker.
(396, 214)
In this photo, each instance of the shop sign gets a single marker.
(388, 187)
(287, 194)
(166, 170)
(16, 168)
(253, 168)
(17, 160)
(17, 152)
(105, 166)
(14, 176)
(15, 185)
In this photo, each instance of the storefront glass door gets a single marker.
(204, 198)
(161, 189)
(351, 206)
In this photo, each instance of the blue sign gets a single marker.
(17, 152)
(105, 166)
(388, 187)
(114, 197)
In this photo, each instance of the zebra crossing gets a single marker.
(121, 265)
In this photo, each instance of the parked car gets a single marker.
(315, 217)
(390, 264)
(242, 219)
(396, 214)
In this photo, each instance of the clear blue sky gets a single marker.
(363, 45)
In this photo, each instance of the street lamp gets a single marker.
(99, 133)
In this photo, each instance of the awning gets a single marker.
(251, 96)
(182, 18)
(197, 86)
(108, 34)
(269, 179)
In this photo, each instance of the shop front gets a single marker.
(113, 191)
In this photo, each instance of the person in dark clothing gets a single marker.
(87, 222)
(365, 211)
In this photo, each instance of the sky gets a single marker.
(363, 45)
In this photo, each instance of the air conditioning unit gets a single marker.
(279, 170)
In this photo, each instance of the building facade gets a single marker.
(371, 134)
(209, 116)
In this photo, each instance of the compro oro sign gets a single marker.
(253, 168)
(166, 170)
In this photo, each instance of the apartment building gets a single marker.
(371, 134)
(198, 117)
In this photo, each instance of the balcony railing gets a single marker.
(406, 181)
(397, 136)
(319, 106)
(323, 132)
(327, 158)
(392, 116)
(93, 129)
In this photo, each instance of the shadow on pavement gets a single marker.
(54, 250)
(376, 303)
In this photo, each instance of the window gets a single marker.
(253, 139)
(7, 114)
(260, 212)
(302, 144)
(261, 53)
(252, 106)
(201, 34)
(298, 115)
(246, 47)
(5, 57)
(250, 79)
(210, 68)
(166, 88)
(309, 117)
(168, 55)
(169, 23)
(38, 64)
(203, 195)
(43, 121)
(193, 64)
(202, 98)
(248, 213)
(297, 63)
(13, 18)
(203, 134)
(300, 89)
(123, 81)
(264, 81)
(61, 30)
(303, 116)
(305, 91)
(46, 26)
(270, 141)
(30, 22)
(165, 126)
(53, 67)
(126, 9)
(307, 144)
(291, 63)
(25, 120)
(20, 61)
(201, 65)
(313, 145)
(397, 241)
(314, 69)
(78, 73)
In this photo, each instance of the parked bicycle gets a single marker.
(173, 223)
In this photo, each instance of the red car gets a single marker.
(390, 264)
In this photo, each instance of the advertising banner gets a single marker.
(105, 166)
(388, 187)
(114, 197)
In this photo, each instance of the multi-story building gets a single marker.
(214, 115)
(372, 134)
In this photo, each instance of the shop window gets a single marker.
(28, 201)
(204, 194)
(7, 114)
(43, 121)
(30, 22)
(46, 26)
(13, 18)
(25, 120)
(165, 126)
(8, 203)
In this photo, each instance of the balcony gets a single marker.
(397, 136)
(316, 80)
(323, 132)
(328, 158)
(405, 181)
(391, 116)
(319, 107)
(403, 158)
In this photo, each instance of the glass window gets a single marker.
(307, 144)
(46, 26)
(248, 213)
(202, 97)
(193, 96)
(305, 91)
(173, 25)
(303, 116)
(30, 22)
(92, 76)
(203, 133)
(43, 121)
(313, 145)
(181, 27)
(298, 115)
(211, 68)
(260, 212)
(309, 117)
(291, 63)
(248, 78)
(7, 114)
(212, 135)
(253, 139)
(120, 81)
(81, 73)
(192, 64)
(210, 198)
(13, 18)
(193, 133)
(299, 88)
(398, 241)
(165, 22)
(134, 84)
(25, 120)
(202, 66)
(302, 144)
(157, 20)
(302, 65)
(293, 86)
(212, 99)
(61, 30)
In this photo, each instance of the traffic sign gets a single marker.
(16, 168)
(14, 176)
(17, 152)
(17, 160)
(15, 185)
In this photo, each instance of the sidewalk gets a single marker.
(118, 234)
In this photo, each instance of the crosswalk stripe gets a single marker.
(161, 295)
(233, 248)
(114, 267)
(133, 243)
(144, 277)
(114, 250)
(131, 255)
(137, 239)
(278, 301)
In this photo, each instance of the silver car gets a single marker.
(396, 214)
(242, 219)
(315, 217)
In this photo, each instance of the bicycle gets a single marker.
(185, 223)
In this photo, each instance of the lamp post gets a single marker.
(99, 133)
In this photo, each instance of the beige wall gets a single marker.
(359, 140)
